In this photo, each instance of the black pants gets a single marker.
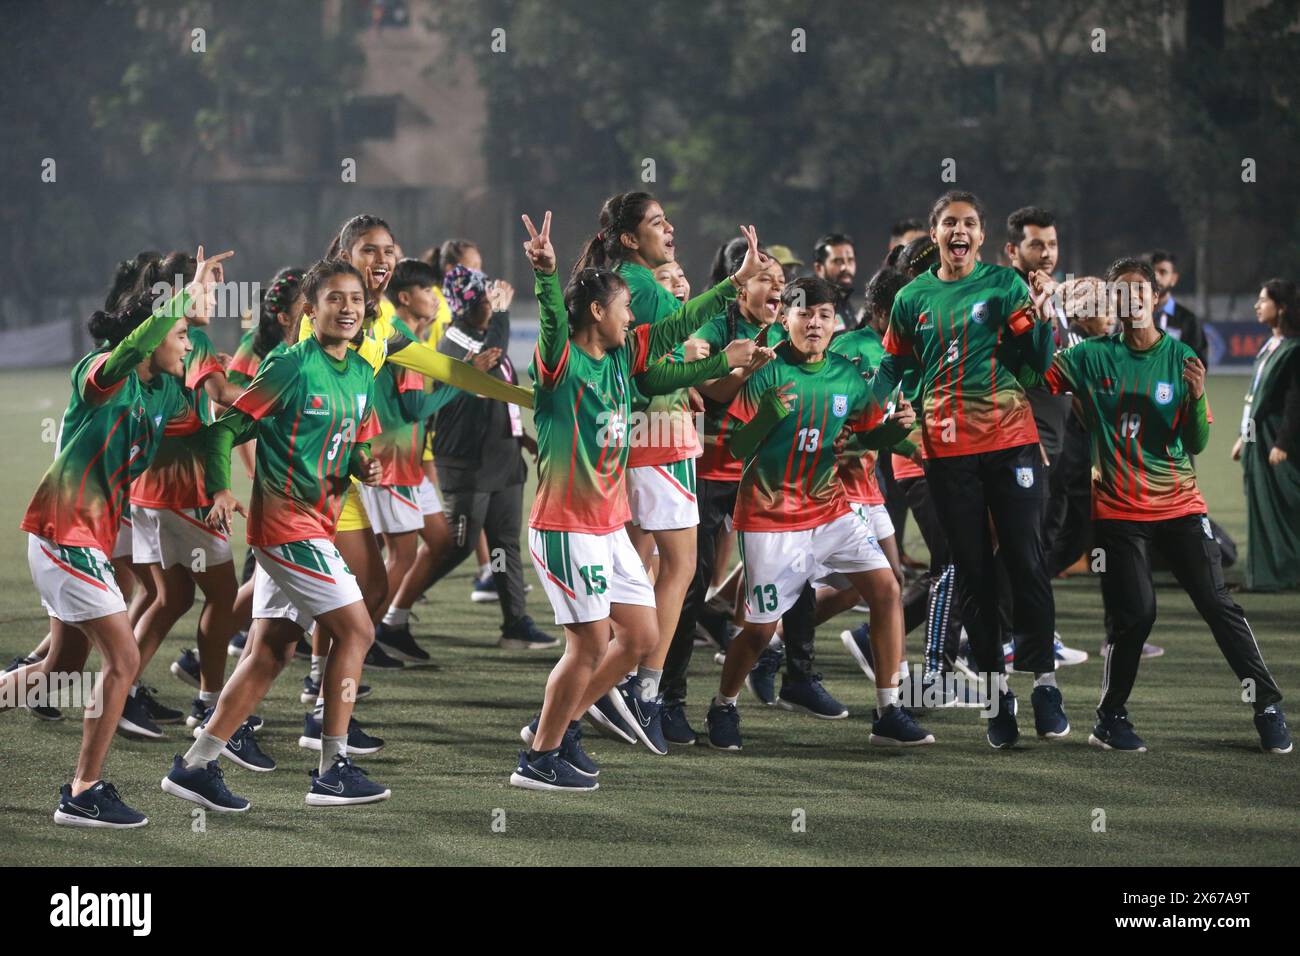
(1193, 556)
(1008, 485)
(717, 501)
(942, 613)
(1068, 530)
(895, 498)
(499, 515)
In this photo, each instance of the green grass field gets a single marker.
(1203, 795)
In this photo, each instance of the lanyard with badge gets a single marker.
(1261, 363)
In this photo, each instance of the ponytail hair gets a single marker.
(166, 270)
(351, 231)
(277, 300)
(621, 213)
(587, 286)
(450, 254)
(125, 277)
(111, 327)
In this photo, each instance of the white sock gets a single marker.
(205, 750)
(903, 673)
(720, 699)
(208, 697)
(648, 682)
(1002, 684)
(776, 643)
(484, 569)
(331, 747)
(134, 687)
(397, 616)
(317, 663)
(886, 697)
(319, 710)
(1045, 680)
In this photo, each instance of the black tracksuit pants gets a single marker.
(938, 608)
(1193, 556)
(1008, 485)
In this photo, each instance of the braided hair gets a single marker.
(277, 301)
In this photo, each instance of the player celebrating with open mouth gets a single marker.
(1143, 398)
(793, 519)
(970, 326)
(124, 400)
(593, 576)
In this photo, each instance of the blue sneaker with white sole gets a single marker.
(647, 717)
(1049, 713)
(762, 678)
(677, 729)
(204, 785)
(311, 691)
(186, 668)
(1115, 732)
(1003, 731)
(723, 722)
(609, 717)
(237, 644)
(570, 747)
(398, 642)
(100, 807)
(1274, 737)
(810, 697)
(243, 749)
(895, 727)
(343, 784)
(359, 742)
(858, 643)
(550, 771)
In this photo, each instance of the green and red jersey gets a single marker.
(581, 407)
(717, 463)
(175, 477)
(670, 435)
(311, 410)
(244, 363)
(399, 397)
(958, 333)
(864, 348)
(1136, 406)
(108, 438)
(789, 483)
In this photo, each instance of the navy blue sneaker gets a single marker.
(376, 659)
(647, 717)
(302, 650)
(344, 783)
(135, 720)
(1274, 737)
(858, 643)
(550, 771)
(359, 742)
(723, 721)
(1115, 732)
(1049, 713)
(398, 642)
(204, 785)
(255, 723)
(41, 712)
(242, 748)
(237, 644)
(810, 697)
(611, 716)
(895, 727)
(484, 589)
(762, 678)
(1003, 731)
(98, 807)
(310, 690)
(677, 729)
(524, 635)
(939, 692)
(186, 668)
(570, 749)
(158, 712)
(199, 714)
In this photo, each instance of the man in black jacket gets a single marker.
(1172, 316)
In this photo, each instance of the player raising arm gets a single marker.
(591, 573)
(1143, 398)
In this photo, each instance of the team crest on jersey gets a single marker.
(1025, 477)
(1164, 393)
(979, 312)
(840, 405)
(317, 405)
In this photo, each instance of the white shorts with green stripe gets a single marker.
(583, 574)
(393, 509)
(302, 580)
(177, 536)
(75, 583)
(779, 563)
(662, 497)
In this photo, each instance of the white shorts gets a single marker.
(170, 537)
(393, 509)
(662, 497)
(583, 574)
(877, 516)
(122, 546)
(302, 581)
(427, 496)
(75, 583)
(779, 563)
